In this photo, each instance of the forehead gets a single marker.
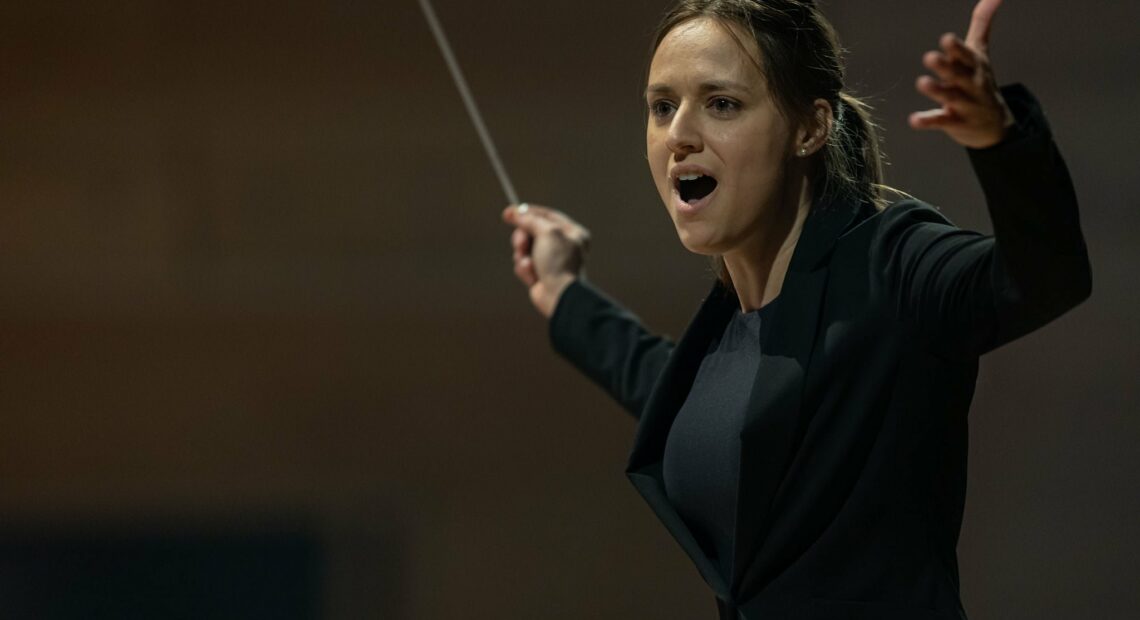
(704, 47)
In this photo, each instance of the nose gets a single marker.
(684, 133)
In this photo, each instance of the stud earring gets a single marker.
(803, 151)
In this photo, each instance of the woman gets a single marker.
(805, 440)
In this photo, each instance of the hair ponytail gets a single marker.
(852, 166)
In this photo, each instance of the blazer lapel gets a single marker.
(645, 463)
(767, 440)
(775, 419)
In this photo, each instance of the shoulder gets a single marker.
(895, 223)
(909, 212)
(906, 240)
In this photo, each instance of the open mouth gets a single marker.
(693, 187)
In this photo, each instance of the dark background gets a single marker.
(252, 279)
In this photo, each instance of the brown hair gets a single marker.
(802, 61)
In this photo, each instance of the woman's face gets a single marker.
(715, 140)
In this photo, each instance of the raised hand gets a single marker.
(972, 110)
(549, 252)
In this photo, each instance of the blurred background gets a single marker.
(262, 353)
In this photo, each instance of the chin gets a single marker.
(696, 242)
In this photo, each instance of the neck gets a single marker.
(758, 267)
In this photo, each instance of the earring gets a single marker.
(803, 151)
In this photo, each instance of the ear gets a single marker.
(813, 133)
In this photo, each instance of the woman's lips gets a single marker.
(694, 207)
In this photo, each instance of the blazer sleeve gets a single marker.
(968, 293)
(608, 344)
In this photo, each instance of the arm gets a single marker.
(970, 293)
(608, 344)
(965, 291)
(602, 339)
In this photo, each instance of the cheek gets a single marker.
(658, 158)
(758, 168)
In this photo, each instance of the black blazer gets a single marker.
(853, 453)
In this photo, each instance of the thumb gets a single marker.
(522, 216)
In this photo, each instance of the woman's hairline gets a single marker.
(748, 44)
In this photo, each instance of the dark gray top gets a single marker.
(702, 452)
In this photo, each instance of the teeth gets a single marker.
(690, 177)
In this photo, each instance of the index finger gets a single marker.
(981, 23)
(527, 219)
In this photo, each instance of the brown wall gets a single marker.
(252, 272)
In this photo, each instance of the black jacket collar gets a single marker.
(773, 423)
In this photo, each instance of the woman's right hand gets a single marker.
(549, 252)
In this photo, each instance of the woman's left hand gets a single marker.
(973, 112)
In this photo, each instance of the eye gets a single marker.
(660, 108)
(723, 106)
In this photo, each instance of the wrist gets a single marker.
(554, 288)
(558, 286)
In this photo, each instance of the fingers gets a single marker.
(528, 209)
(981, 24)
(538, 220)
(530, 218)
(512, 214)
(524, 270)
(526, 215)
(953, 99)
(958, 52)
(940, 94)
(521, 243)
(971, 110)
(522, 238)
(545, 244)
(934, 119)
(956, 64)
(961, 72)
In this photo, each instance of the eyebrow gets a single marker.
(705, 87)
